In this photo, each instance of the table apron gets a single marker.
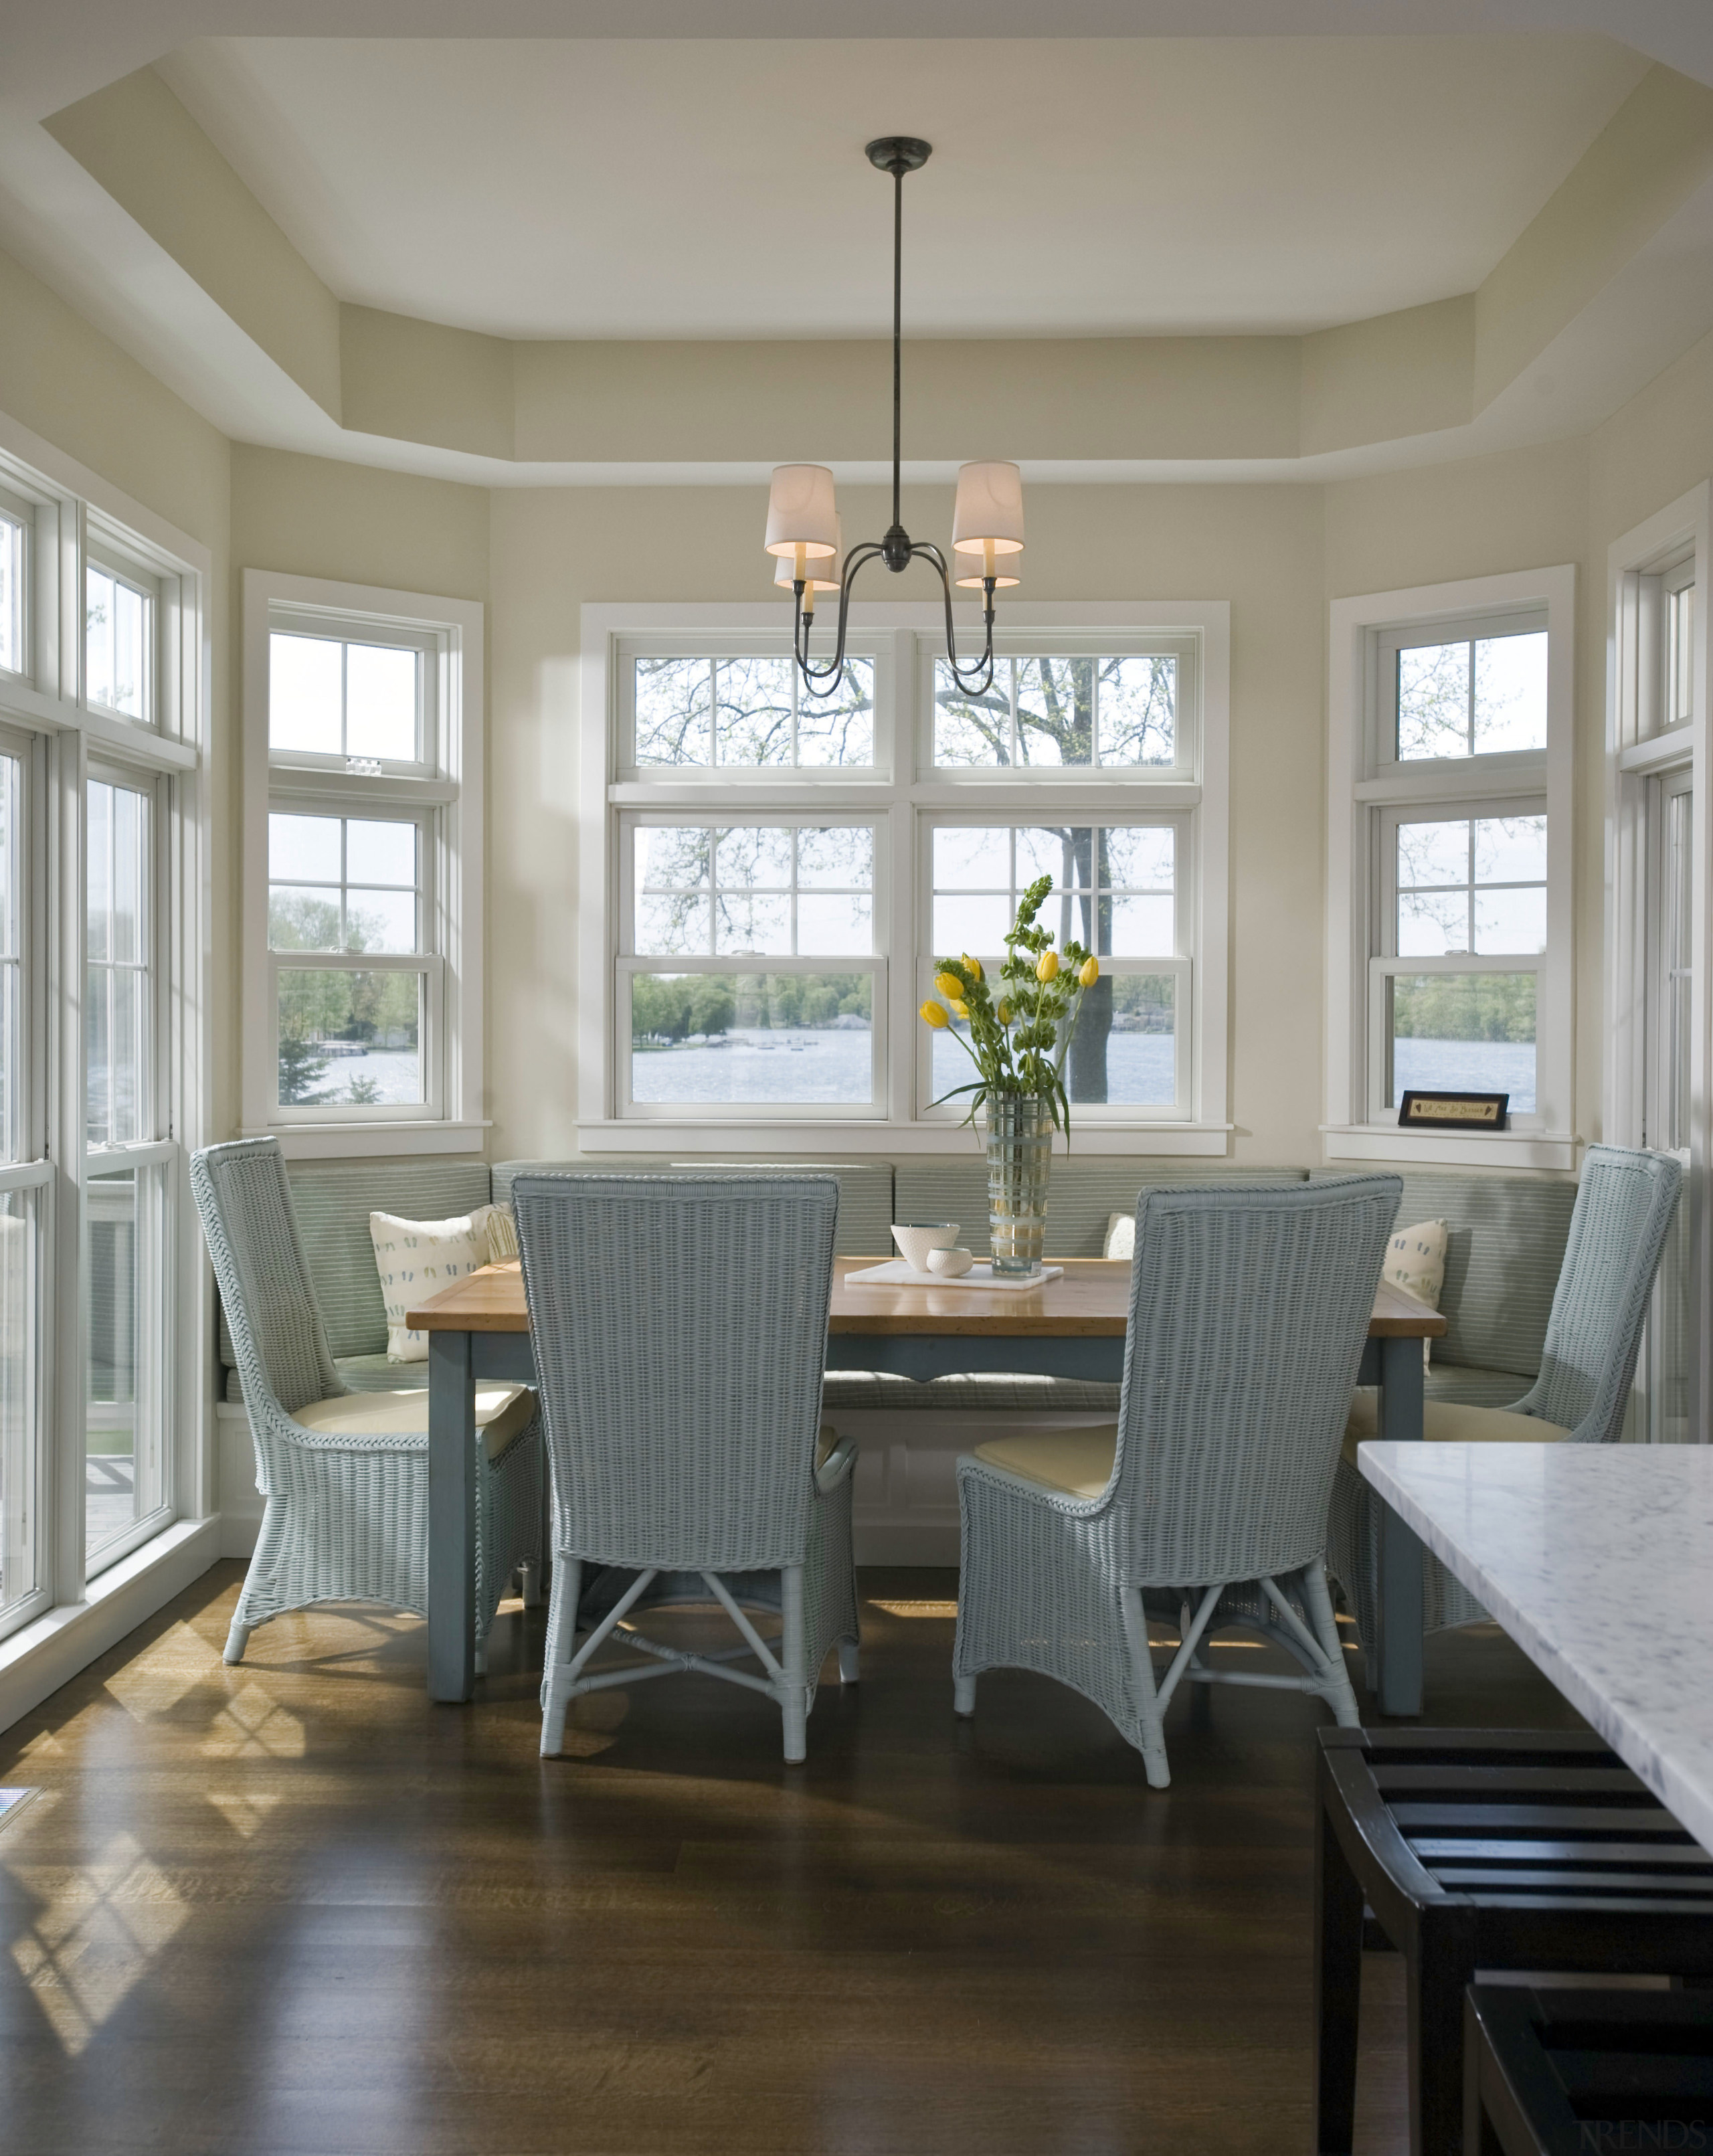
(508, 1356)
(1097, 1359)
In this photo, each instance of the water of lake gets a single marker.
(1467, 1067)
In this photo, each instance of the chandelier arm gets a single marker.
(980, 679)
(865, 551)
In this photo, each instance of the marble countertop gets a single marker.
(1597, 1559)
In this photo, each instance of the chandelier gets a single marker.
(805, 534)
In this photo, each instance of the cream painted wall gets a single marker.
(554, 550)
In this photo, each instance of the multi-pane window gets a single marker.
(356, 899)
(1119, 712)
(118, 986)
(12, 1008)
(119, 608)
(13, 540)
(341, 697)
(20, 1218)
(788, 868)
(749, 713)
(1459, 920)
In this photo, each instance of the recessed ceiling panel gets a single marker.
(718, 189)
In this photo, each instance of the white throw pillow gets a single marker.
(1415, 1261)
(1120, 1236)
(502, 1232)
(416, 1259)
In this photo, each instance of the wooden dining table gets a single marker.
(1069, 1327)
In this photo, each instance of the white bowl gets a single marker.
(950, 1265)
(916, 1238)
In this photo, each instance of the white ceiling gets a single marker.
(677, 188)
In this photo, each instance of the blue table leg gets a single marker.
(1399, 1655)
(452, 1517)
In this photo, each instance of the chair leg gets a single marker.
(561, 1642)
(1436, 1975)
(850, 1661)
(963, 1696)
(1339, 1694)
(1136, 1632)
(794, 1691)
(236, 1639)
(1338, 1991)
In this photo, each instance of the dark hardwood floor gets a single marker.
(293, 1910)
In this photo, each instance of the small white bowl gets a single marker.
(916, 1238)
(950, 1265)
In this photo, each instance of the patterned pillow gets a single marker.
(1415, 1261)
(416, 1259)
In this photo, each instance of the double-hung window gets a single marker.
(103, 1329)
(1657, 1048)
(769, 877)
(1449, 903)
(362, 867)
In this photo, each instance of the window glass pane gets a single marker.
(752, 710)
(1679, 655)
(304, 849)
(304, 918)
(12, 546)
(1472, 885)
(1508, 922)
(116, 987)
(12, 1047)
(380, 920)
(1511, 693)
(19, 1288)
(381, 702)
(756, 872)
(839, 858)
(305, 694)
(749, 858)
(1137, 710)
(114, 1336)
(349, 1037)
(745, 923)
(763, 1038)
(312, 907)
(972, 857)
(116, 642)
(1055, 710)
(674, 703)
(378, 852)
(1433, 700)
(971, 732)
(839, 730)
(1510, 849)
(1114, 886)
(1469, 1033)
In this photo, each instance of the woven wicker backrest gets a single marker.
(680, 1334)
(258, 1254)
(865, 1187)
(1249, 1312)
(1623, 1209)
(1084, 1190)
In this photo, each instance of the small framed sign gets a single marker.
(1453, 1112)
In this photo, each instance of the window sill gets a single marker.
(841, 1141)
(42, 1656)
(372, 1140)
(1386, 1141)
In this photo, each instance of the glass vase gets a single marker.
(1019, 1156)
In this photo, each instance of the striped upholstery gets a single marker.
(866, 1214)
(1502, 1262)
(1085, 1189)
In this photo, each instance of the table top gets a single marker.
(1597, 1559)
(1091, 1298)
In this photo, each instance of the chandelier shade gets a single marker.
(800, 513)
(989, 508)
(822, 572)
(970, 571)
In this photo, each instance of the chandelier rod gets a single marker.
(898, 172)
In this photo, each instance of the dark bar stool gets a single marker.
(1579, 2073)
(1484, 1849)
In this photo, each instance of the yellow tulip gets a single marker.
(1047, 966)
(1005, 1013)
(1089, 971)
(949, 986)
(934, 1014)
(974, 965)
(960, 1010)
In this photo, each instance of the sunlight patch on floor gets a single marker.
(254, 1725)
(905, 1608)
(98, 1928)
(243, 1814)
(156, 1680)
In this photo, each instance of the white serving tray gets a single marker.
(898, 1273)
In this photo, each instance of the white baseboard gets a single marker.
(38, 1660)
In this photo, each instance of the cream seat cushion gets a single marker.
(1452, 1422)
(1077, 1463)
(503, 1412)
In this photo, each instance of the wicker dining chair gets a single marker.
(1617, 1228)
(345, 1474)
(1204, 1506)
(681, 1332)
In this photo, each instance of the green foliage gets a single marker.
(1463, 1007)
(299, 1067)
(672, 1007)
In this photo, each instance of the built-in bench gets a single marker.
(1507, 1240)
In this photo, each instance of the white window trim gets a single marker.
(1350, 1132)
(893, 792)
(71, 1621)
(453, 885)
(1632, 761)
